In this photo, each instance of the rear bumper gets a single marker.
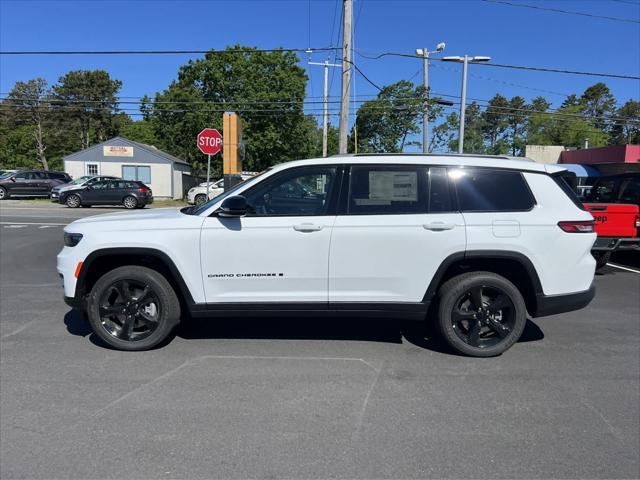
(554, 304)
(609, 244)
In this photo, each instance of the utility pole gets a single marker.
(325, 113)
(424, 53)
(463, 97)
(425, 113)
(346, 74)
(463, 104)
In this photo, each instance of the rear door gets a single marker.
(394, 230)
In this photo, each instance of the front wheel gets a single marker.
(3, 193)
(133, 308)
(130, 202)
(73, 201)
(481, 314)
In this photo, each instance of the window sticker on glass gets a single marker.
(393, 186)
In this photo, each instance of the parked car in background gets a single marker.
(129, 193)
(78, 182)
(614, 203)
(31, 183)
(197, 195)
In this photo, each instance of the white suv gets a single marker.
(474, 242)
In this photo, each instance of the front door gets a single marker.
(96, 192)
(396, 229)
(279, 252)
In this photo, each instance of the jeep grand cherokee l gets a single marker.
(484, 240)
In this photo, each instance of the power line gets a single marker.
(517, 67)
(558, 10)
(318, 49)
(163, 52)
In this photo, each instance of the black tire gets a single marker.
(117, 316)
(73, 201)
(130, 202)
(4, 194)
(199, 199)
(484, 330)
(602, 258)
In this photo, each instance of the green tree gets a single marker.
(628, 130)
(517, 125)
(386, 123)
(266, 89)
(598, 101)
(495, 121)
(27, 105)
(86, 101)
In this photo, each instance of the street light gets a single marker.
(463, 97)
(424, 53)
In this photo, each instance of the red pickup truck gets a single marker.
(614, 203)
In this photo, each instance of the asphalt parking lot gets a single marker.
(306, 398)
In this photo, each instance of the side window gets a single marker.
(603, 191)
(439, 194)
(21, 176)
(484, 190)
(390, 190)
(630, 191)
(299, 192)
(100, 185)
(39, 176)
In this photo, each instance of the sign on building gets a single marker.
(117, 151)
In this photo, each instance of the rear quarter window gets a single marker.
(563, 182)
(487, 190)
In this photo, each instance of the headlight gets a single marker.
(72, 239)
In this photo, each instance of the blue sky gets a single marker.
(508, 34)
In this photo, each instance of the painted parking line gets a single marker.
(24, 224)
(622, 268)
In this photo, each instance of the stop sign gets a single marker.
(210, 141)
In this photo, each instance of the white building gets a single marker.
(166, 175)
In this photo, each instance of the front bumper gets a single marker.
(609, 244)
(554, 304)
(54, 197)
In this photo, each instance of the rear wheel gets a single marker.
(73, 201)
(130, 202)
(481, 314)
(602, 258)
(3, 193)
(200, 199)
(133, 308)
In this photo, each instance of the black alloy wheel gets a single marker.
(481, 314)
(133, 308)
(129, 310)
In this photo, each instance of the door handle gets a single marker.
(307, 227)
(438, 226)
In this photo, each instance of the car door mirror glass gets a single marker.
(235, 206)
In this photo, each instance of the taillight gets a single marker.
(143, 190)
(579, 226)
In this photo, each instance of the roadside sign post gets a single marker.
(209, 143)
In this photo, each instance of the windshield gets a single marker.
(80, 181)
(198, 210)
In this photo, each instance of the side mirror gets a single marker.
(13, 179)
(235, 206)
